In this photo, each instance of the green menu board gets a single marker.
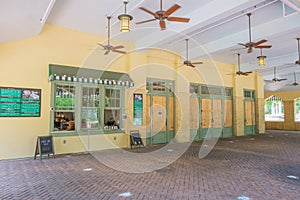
(20, 102)
(137, 109)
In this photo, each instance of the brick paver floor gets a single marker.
(249, 167)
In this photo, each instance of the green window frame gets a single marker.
(64, 107)
(90, 107)
(81, 107)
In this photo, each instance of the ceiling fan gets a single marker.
(187, 62)
(163, 15)
(108, 48)
(250, 45)
(275, 79)
(295, 80)
(239, 72)
(298, 61)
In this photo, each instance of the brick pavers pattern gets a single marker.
(253, 166)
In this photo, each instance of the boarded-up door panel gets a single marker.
(194, 113)
(206, 113)
(217, 113)
(248, 113)
(158, 113)
(228, 113)
(171, 114)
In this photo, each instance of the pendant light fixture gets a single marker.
(125, 20)
(261, 59)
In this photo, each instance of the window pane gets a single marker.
(90, 107)
(64, 121)
(112, 119)
(90, 118)
(65, 97)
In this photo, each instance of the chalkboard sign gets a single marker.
(20, 102)
(135, 139)
(44, 145)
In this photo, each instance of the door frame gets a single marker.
(167, 93)
(249, 96)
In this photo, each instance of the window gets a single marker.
(112, 109)
(274, 109)
(194, 89)
(249, 93)
(211, 90)
(297, 109)
(90, 107)
(64, 116)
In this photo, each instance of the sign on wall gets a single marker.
(137, 109)
(20, 102)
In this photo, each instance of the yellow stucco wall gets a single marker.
(25, 63)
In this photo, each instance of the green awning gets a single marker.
(85, 75)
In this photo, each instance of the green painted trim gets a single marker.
(64, 134)
(201, 132)
(93, 132)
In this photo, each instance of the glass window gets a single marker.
(228, 92)
(194, 89)
(112, 109)
(274, 109)
(90, 107)
(297, 110)
(64, 116)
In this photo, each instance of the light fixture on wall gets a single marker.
(125, 20)
(261, 59)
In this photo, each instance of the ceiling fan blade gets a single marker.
(178, 19)
(118, 51)
(104, 46)
(195, 63)
(250, 50)
(149, 20)
(106, 52)
(243, 73)
(162, 24)
(282, 79)
(269, 81)
(260, 42)
(191, 65)
(172, 9)
(245, 45)
(148, 11)
(118, 47)
(264, 46)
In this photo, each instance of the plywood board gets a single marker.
(228, 113)
(217, 113)
(158, 113)
(171, 114)
(194, 113)
(248, 113)
(253, 113)
(206, 113)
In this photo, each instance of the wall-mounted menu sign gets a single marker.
(20, 102)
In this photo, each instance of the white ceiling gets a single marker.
(215, 28)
